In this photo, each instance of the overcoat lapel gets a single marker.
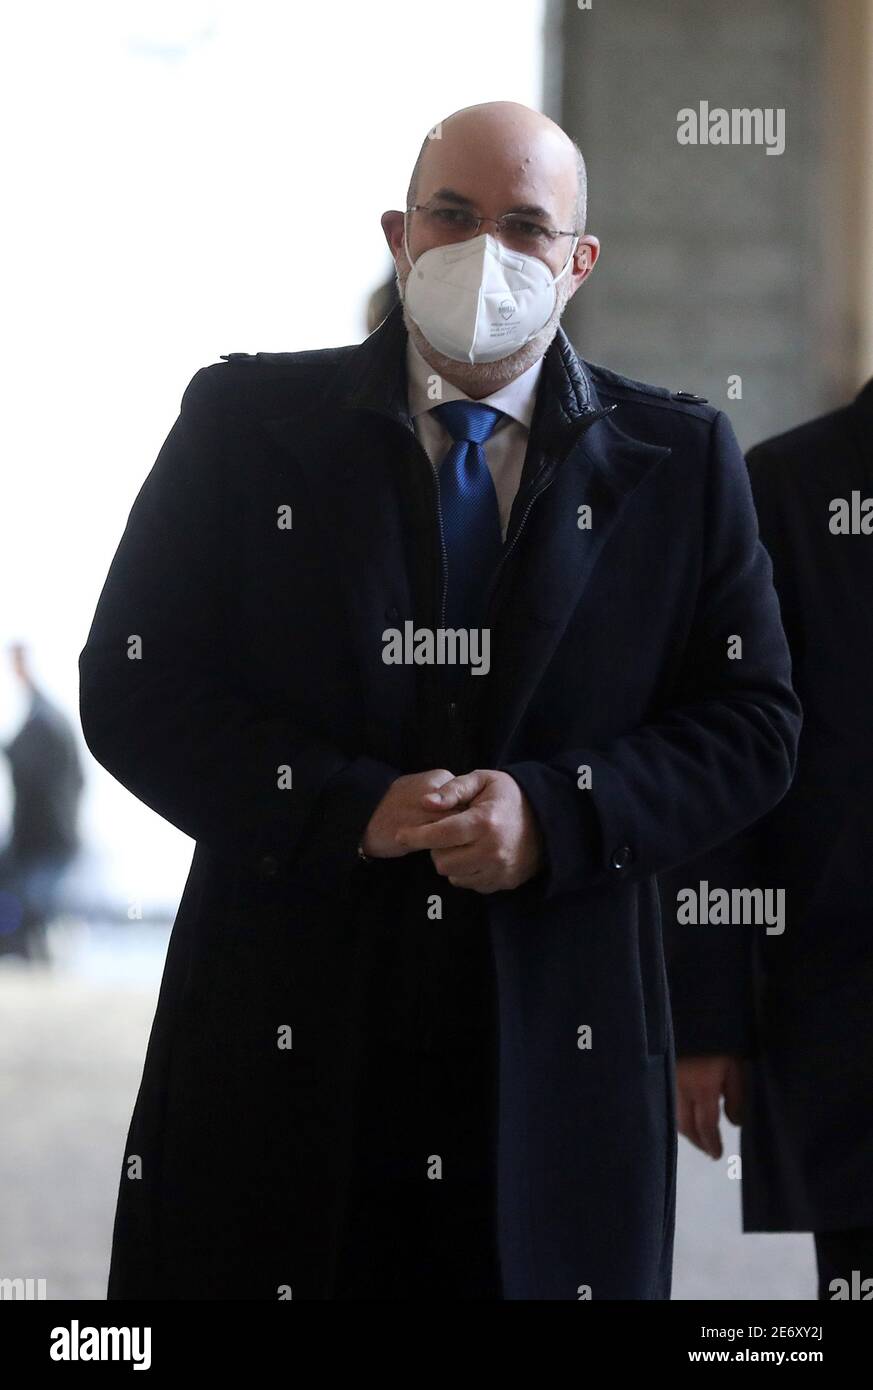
(601, 471)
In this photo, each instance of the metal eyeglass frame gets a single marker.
(550, 234)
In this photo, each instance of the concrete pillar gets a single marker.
(847, 192)
(715, 257)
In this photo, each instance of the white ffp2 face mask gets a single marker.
(478, 301)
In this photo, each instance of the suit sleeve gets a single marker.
(163, 706)
(721, 751)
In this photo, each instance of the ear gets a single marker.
(587, 253)
(392, 226)
(585, 258)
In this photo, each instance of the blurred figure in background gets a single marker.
(778, 1022)
(47, 783)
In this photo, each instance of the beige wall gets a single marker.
(847, 194)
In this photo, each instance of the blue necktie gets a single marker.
(471, 516)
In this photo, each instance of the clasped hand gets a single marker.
(480, 828)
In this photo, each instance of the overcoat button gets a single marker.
(268, 866)
(622, 856)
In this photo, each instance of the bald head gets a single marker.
(511, 149)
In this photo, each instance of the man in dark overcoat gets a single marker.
(413, 1038)
(778, 1021)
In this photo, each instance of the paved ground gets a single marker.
(72, 1041)
(713, 1259)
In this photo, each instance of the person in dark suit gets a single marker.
(47, 783)
(778, 1021)
(423, 641)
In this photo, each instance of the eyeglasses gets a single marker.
(514, 229)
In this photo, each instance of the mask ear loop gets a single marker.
(405, 243)
(566, 265)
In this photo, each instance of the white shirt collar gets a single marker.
(517, 399)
